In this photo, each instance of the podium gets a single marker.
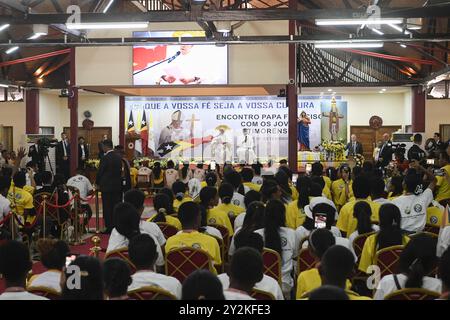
(130, 145)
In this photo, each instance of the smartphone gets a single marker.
(430, 161)
(69, 259)
(294, 178)
(320, 221)
(438, 172)
(308, 168)
(213, 166)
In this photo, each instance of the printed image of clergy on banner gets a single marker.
(178, 64)
(224, 129)
(334, 120)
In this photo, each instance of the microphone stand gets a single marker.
(168, 60)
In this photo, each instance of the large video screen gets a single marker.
(179, 64)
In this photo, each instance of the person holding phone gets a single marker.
(341, 189)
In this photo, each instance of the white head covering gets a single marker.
(317, 200)
(177, 116)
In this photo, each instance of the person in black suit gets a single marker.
(386, 151)
(83, 153)
(101, 152)
(126, 177)
(63, 157)
(354, 147)
(109, 181)
(415, 152)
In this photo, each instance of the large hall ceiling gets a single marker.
(394, 64)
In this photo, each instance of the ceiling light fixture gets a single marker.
(329, 90)
(402, 45)
(377, 31)
(36, 35)
(109, 5)
(393, 26)
(11, 50)
(342, 45)
(107, 25)
(4, 26)
(4, 85)
(349, 22)
(223, 26)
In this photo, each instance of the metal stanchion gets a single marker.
(76, 220)
(13, 227)
(97, 212)
(44, 214)
(96, 248)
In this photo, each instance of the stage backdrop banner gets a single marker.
(178, 64)
(212, 128)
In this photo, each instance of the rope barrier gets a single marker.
(6, 218)
(54, 205)
(88, 198)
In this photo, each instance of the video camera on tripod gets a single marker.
(41, 155)
(399, 149)
(44, 144)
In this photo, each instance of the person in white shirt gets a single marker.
(255, 241)
(257, 179)
(199, 172)
(127, 226)
(249, 198)
(202, 285)
(245, 147)
(377, 191)
(280, 239)
(85, 189)
(171, 175)
(414, 203)
(246, 269)
(185, 173)
(15, 263)
(116, 278)
(235, 179)
(137, 198)
(142, 252)
(5, 204)
(417, 260)
(53, 254)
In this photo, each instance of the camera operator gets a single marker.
(63, 157)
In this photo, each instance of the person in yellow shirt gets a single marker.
(247, 177)
(336, 267)
(434, 214)
(295, 215)
(389, 235)
(157, 176)
(190, 218)
(133, 175)
(179, 190)
(347, 223)
(341, 189)
(317, 171)
(164, 207)
(21, 200)
(443, 182)
(220, 214)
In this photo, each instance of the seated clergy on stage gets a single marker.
(245, 146)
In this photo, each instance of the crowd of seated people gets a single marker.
(236, 217)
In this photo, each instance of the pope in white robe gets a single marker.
(221, 146)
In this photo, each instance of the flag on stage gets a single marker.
(166, 148)
(151, 137)
(144, 135)
(131, 127)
